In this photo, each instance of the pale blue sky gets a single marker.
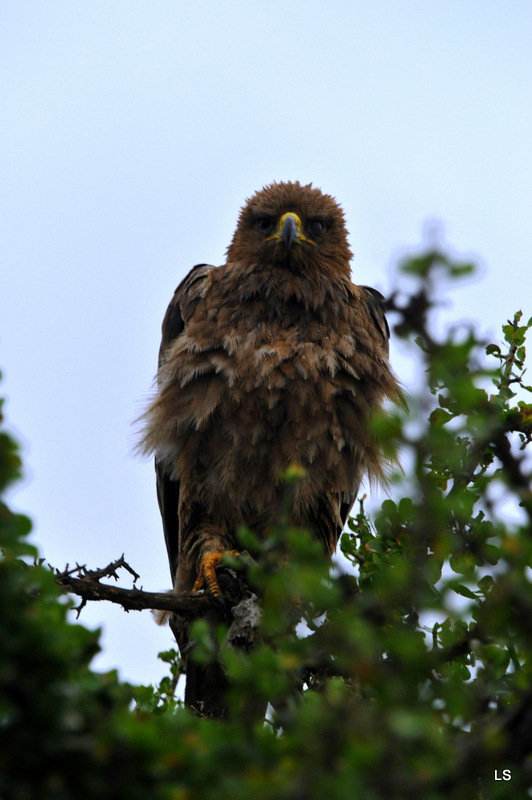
(133, 131)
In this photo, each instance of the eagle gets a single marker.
(270, 360)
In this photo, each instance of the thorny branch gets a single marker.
(86, 584)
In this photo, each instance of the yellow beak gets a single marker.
(289, 231)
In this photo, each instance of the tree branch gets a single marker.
(86, 584)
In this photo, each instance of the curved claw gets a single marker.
(207, 576)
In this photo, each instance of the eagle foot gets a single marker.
(207, 576)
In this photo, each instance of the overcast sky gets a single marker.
(133, 131)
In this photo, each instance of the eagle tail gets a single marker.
(206, 689)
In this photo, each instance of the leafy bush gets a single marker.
(412, 674)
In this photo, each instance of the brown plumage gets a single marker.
(271, 359)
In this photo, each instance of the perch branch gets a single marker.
(86, 584)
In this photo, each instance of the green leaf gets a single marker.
(460, 589)
(463, 563)
(459, 270)
(486, 584)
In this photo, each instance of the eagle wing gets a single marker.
(376, 306)
(376, 303)
(186, 297)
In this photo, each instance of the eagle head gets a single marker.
(292, 226)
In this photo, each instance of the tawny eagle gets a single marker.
(274, 358)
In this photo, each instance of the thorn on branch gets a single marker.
(79, 609)
(110, 571)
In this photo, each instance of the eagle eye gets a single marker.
(316, 226)
(263, 223)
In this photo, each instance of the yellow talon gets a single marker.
(207, 572)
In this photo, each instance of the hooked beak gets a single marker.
(290, 231)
